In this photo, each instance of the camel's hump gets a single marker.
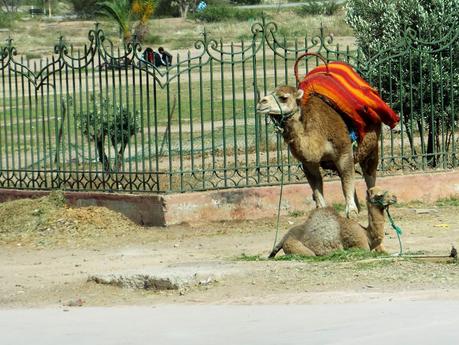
(322, 230)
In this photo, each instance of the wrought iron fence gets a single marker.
(104, 118)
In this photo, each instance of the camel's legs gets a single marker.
(357, 202)
(295, 247)
(345, 166)
(380, 249)
(369, 166)
(312, 172)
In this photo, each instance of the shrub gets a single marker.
(246, 2)
(109, 121)
(7, 19)
(331, 8)
(380, 29)
(84, 8)
(316, 7)
(216, 14)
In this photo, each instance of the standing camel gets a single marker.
(318, 136)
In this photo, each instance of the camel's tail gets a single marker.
(276, 249)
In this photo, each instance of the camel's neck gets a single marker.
(375, 228)
(293, 128)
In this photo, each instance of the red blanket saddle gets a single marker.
(343, 87)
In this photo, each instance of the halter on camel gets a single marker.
(279, 122)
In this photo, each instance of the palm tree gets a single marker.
(121, 12)
(143, 9)
(126, 12)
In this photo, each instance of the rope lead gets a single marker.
(280, 195)
(397, 230)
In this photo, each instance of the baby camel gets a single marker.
(326, 231)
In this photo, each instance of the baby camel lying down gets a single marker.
(325, 231)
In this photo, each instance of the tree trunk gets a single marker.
(184, 10)
(101, 153)
(119, 157)
(431, 154)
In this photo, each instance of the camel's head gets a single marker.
(380, 197)
(281, 104)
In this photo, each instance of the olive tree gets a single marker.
(184, 6)
(109, 121)
(411, 53)
(9, 5)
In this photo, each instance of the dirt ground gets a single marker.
(48, 251)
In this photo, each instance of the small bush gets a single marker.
(331, 8)
(217, 14)
(246, 2)
(448, 202)
(246, 15)
(7, 20)
(109, 121)
(314, 8)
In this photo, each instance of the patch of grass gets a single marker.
(245, 257)
(339, 207)
(8, 20)
(447, 202)
(296, 213)
(32, 55)
(411, 204)
(337, 256)
(152, 38)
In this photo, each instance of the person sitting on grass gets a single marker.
(165, 57)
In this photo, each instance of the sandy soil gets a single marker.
(48, 261)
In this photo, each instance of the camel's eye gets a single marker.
(283, 98)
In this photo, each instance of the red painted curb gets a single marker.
(262, 202)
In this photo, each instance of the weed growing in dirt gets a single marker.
(296, 213)
(448, 202)
(337, 256)
(245, 257)
(339, 207)
(411, 204)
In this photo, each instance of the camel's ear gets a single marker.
(299, 94)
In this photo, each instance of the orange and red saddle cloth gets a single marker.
(343, 87)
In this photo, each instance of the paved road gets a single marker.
(427, 322)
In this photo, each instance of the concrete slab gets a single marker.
(169, 277)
